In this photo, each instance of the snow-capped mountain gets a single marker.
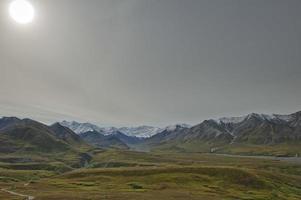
(80, 127)
(109, 130)
(140, 131)
(253, 129)
(148, 131)
(236, 120)
(176, 126)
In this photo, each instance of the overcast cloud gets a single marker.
(155, 62)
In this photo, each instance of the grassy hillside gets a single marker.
(136, 175)
(285, 149)
(29, 145)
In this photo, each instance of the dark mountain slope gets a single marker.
(99, 140)
(31, 137)
(166, 136)
(128, 140)
(8, 121)
(209, 132)
(255, 130)
(67, 135)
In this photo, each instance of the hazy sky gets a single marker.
(154, 62)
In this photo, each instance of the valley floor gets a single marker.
(114, 174)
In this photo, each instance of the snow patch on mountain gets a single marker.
(285, 118)
(140, 131)
(227, 120)
(236, 120)
(79, 128)
(175, 126)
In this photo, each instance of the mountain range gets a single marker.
(139, 131)
(250, 134)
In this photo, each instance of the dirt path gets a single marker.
(18, 194)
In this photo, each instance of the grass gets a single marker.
(271, 150)
(114, 174)
(283, 149)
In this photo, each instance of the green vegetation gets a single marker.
(120, 174)
(284, 149)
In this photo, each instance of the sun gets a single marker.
(21, 11)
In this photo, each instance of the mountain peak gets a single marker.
(139, 131)
(177, 126)
(257, 116)
(80, 127)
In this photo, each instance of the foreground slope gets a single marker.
(163, 176)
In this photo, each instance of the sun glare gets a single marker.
(21, 11)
